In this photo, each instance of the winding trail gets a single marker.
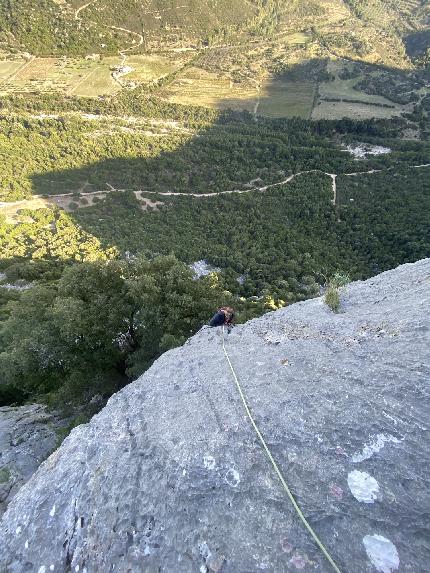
(333, 176)
(116, 75)
(123, 51)
(79, 10)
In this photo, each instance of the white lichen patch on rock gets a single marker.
(232, 477)
(382, 553)
(363, 486)
(209, 462)
(376, 444)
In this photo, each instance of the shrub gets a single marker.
(331, 298)
(340, 279)
(64, 431)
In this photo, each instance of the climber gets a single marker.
(223, 316)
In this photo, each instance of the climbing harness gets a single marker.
(274, 464)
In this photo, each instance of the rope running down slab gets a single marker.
(275, 465)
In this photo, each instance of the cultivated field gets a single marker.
(216, 81)
(287, 99)
(81, 77)
(9, 68)
(200, 87)
(273, 97)
(343, 89)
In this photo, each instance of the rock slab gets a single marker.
(169, 476)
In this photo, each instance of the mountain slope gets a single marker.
(170, 20)
(169, 476)
(352, 27)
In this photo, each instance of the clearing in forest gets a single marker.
(196, 86)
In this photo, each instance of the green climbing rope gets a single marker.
(275, 465)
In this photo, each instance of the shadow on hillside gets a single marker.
(178, 165)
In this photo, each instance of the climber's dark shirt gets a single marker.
(220, 318)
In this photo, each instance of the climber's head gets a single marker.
(227, 310)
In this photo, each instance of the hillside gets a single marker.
(170, 476)
(78, 25)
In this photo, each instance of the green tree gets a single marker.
(101, 324)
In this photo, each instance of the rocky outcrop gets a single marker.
(169, 475)
(27, 437)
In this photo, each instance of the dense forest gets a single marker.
(207, 151)
(285, 239)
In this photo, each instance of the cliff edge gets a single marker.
(170, 477)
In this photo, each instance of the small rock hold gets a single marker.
(363, 486)
(382, 553)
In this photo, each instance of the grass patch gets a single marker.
(149, 68)
(63, 432)
(96, 82)
(9, 67)
(276, 98)
(296, 39)
(331, 297)
(338, 110)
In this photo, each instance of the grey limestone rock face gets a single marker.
(170, 477)
(27, 437)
